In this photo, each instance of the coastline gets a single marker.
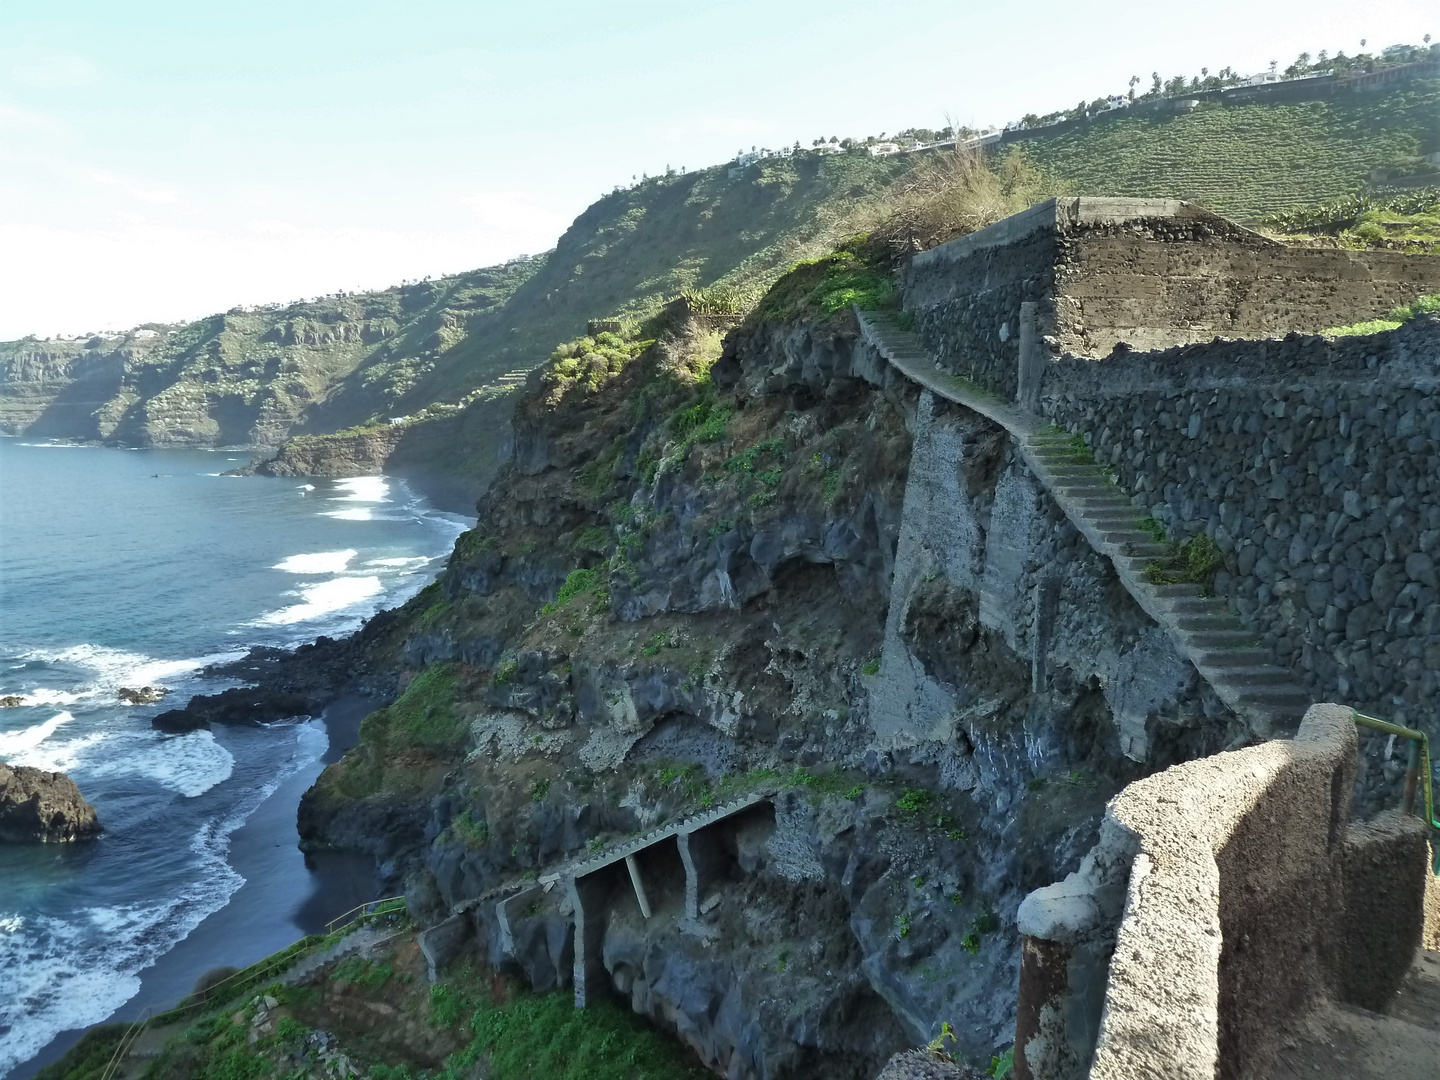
(286, 894)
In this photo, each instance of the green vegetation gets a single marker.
(857, 272)
(577, 583)
(473, 832)
(370, 974)
(544, 1037)
(1392, 320)
(870, 667)
(1245, 160)
(423, 716)
(1368, 219)
(88, 1058)
(1193, 562)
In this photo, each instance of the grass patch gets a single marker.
(577, 583)
(857, 273)
(1192, 563)
(1392, 320)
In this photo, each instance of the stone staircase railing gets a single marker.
(1203, 629)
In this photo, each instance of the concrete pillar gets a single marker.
(588, 898)
(1032, 359)
(1038, 1006)
(634, 868)
(504, 915)
(704, 859)
(442, 942)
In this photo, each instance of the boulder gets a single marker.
(11, 701)
(42, 807)
(141, 695)
(926, 1065)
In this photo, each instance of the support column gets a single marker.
(634, 868)
(703, 857)
(1031, 368)
(588, 896)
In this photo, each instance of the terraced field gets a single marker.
(1247, 160)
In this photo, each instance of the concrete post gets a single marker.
(588, 896)
(1047, 599)
(634, 868)
(1044, 988)
(1032, 359)
(703, 858)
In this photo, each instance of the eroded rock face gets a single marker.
(38, 807)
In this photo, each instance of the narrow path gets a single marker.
(1341, 1042)
(1203, 629)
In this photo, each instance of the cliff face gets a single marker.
(250, 376)
(796, 574)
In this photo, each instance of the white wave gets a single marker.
(189, 764)
(306, 487)
(323, 598)
(317, 562)
(17, 743)
(364, 489)
(399, 562)
(60, 755)
(114, 668)
(61, 975)
(42, 695)
(364, 514)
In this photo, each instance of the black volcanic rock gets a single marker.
(38, 807)
(240, 705)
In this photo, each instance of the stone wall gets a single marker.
(1151, 273)
(1248, 901)
(1314, 465)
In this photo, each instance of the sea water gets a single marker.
(127, 568)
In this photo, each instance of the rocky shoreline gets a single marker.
(39, 807)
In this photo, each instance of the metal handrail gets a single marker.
(277, 961)
(1417, 772)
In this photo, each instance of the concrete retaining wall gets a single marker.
(1247, 898)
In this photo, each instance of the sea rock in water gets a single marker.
(142, 695)
(239, 705)
(42, 807)
(11, 701)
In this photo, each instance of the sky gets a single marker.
(164, 159)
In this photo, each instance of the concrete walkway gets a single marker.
(1340, 1041)
(1203, 629)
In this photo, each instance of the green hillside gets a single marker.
(1248, 160)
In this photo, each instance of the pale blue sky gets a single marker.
(161, 159)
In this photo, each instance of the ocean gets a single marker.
(125, 568)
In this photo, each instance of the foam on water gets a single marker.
(325, 598)
(17, 743)
(63, 974)
(361, 514)
(190, 764)
(413, 561)
(364, 489)
(317, 562)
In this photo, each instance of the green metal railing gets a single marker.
(1417, 770)
(257, 973)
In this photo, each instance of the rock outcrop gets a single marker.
(42, 807)
(141, 695)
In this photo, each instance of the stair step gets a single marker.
(1199, 621)
(1220, 639)
(1250, 675)
(1277, 696)
(1220, 656)
(1178, 592)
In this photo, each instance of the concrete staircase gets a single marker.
(1342, 1042)
(1203, 629)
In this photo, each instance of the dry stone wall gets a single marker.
(1314, 465)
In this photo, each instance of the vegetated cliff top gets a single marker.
(258, 376)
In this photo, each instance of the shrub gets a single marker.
(576, 583)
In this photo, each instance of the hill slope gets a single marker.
(257, 377)
(1247, 160)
